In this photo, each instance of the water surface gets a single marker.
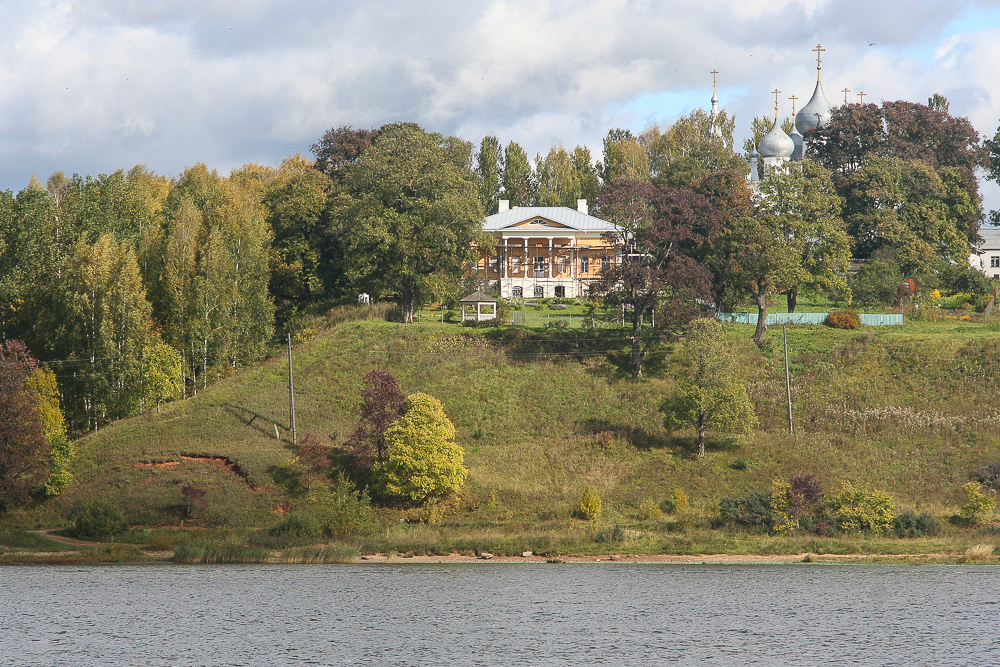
(500, 614)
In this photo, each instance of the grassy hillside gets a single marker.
(543, 415)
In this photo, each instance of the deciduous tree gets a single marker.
(381, 404)
(409, 215)
(423, 462)
(661, 235)
(710, 395)
(24, 452)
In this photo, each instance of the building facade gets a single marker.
(545, 251)
(986, 256)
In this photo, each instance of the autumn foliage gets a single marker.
(24, 452)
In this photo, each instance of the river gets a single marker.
(488, 614)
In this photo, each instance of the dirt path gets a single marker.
(50, 533)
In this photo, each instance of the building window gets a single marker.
(517, 292)
(494, 265)
(605, 261)
(995, 261)
(515, 264)
(561, 292)
(584, 265)
(538, 266)
(539, 292)
(561, 265)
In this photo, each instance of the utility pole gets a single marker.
(788, 380)
(291, 393)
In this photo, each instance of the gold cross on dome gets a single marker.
(793, 98)
(819, 60)
(845, 91)
(862, 96)
(713, 73)
(776, 92)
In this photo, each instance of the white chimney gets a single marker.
(504, 206)
(581, 206)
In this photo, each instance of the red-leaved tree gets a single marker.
(24, 453)
(662, 233)
(381, 404)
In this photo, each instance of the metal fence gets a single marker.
(867, 319)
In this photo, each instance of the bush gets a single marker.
(843, 319)
(298, 524)
(750, 511)
(590, 507)
(677, 502)
(857, 510)
(979, 504)
(616, 535)
(450, 316)
(98, 520)
(649, 510)
(911, 524)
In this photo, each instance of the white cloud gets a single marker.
(98, 85)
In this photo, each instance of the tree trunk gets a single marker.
(758, 336)
(793, 299)
(407, 304)
(637, 353)
(701, 433)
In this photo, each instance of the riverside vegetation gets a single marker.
(895, 451)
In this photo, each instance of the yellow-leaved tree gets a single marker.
(42, 383)
(422, 460)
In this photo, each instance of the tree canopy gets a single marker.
(409, 215)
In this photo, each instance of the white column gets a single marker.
(550, 257)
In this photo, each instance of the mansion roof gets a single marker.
(542, 217)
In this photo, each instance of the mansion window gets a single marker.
(604, 262)
(584, 265)
(561, 265)
(515, 264)
(539, 291)
(994, 261)
(517, 292)
(538, 265)
(494, 264)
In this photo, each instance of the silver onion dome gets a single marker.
(776, 144)
(816, 113)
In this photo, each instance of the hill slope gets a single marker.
(544, 416)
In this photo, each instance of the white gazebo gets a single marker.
(475, 303)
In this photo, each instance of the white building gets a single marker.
(986, 256)
(545, 251)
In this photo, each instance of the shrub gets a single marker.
(750, 511)
(649, 510)
(857, 510)
(616, 535)
(676, 502)
(298, 524)
(911, 524)
(450, 316)
(98, 520)
(979, 504)
(590, 507)
(194, 497)
(843, 319)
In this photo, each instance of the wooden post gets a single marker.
(291, 393)
(788, 381)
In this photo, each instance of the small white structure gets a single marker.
(364, 299)
(986, 256)
(473, 307)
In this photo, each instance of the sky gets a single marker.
(93, 86)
